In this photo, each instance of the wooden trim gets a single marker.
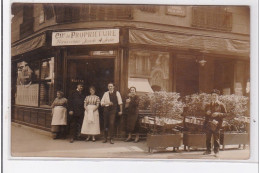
(65, 71)
(91, 57)
(172, 72)
(31, 125)
(30, 107)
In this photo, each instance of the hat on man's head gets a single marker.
(215, 91)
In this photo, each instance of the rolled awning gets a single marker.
(141, 85)
(185, 41)
(29, 45)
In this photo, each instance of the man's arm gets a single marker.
(103, 100)
(119, 100)
(221, 114)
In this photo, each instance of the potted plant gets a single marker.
(236, 124)
(166, 110)
(193, 120)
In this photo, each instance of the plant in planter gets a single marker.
(193, 120)
(236, 123)
(166, 110)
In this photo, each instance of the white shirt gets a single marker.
(106, 100)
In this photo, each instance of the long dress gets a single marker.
(90, 124)
(132, 113)
(59, 113)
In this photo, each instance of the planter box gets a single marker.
(234, 138)
(163, 141)
(194, 140)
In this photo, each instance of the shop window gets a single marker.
(35, 83)
(47, 82)
(242, 74)
(149, 71)
(224, 76)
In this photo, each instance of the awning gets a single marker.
(197, 42)
(29, 45)
(141, 85)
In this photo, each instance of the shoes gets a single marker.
(217, 155)
(111, 141)
(87, 139)
(136, 140)
(207, 153)
(93, 140)
(128, 139)
(105, 141)
(71, 140)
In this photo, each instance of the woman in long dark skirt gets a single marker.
(131, 110)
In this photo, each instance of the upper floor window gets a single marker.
(217, 18)
(86, 12)
(26, 28)
(46, 13)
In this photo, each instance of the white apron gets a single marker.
(59, 116)
(90, 125)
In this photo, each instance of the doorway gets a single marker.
(187, 76)
(91, 72)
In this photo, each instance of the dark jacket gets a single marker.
(76, 103)
(217, 107)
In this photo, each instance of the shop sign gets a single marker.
(111, 52)
(176, 10)
(77, 80)
(86, 37)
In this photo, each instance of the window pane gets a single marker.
(47, 82)
(27, 85)
(149, 67)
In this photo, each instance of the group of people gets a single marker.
(84, 114)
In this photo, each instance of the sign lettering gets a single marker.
(87, 37)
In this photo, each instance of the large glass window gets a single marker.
(47, 82)
(149, 71)
(35, 83)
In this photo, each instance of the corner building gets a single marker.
(184, 49)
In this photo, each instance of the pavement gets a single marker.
(30, 142)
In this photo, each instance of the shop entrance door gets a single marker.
(91, 72)
(187, 76)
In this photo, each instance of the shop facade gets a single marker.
(122, 52)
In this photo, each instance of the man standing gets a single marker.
(215, 112)
(76, 111)
(110, 100)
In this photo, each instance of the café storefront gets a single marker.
(150, 60)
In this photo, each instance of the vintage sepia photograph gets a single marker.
(133, 81)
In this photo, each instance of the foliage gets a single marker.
(166, 104)
(236, 106)
(195, 103)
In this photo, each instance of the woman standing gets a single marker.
(131, 108)
(90, 124)
(59, 115)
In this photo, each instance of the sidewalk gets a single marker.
(27, 142)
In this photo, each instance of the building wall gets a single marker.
(240, 20)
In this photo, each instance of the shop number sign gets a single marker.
(86, 37)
